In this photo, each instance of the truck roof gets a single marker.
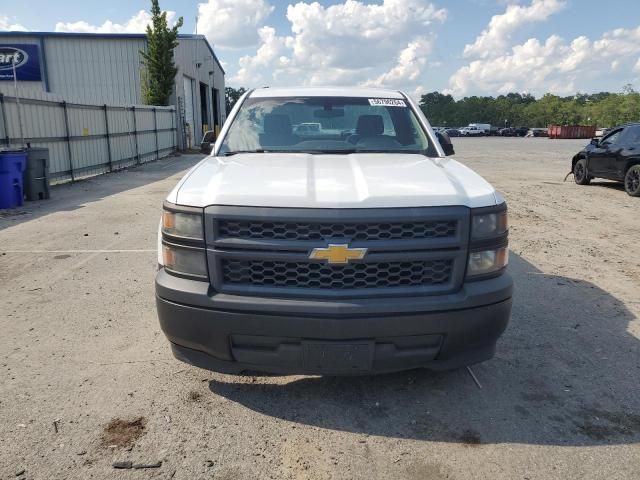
(326, 92)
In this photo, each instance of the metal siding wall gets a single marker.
(44, 126)
(166, 119)
(123, 147)
(38, 121)
(146, 141)
(95, 69)
(98, 70)
(90, 155)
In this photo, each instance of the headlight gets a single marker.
(487, 261)
(181, 243)
(188, 261)
(183, 225)
(489, 225)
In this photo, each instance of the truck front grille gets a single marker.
(274, 230)
(266, 251)
(337, 277)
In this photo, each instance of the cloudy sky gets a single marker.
(462, 47)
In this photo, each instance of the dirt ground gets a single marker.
(88, 378)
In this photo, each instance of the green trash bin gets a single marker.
(36, 175)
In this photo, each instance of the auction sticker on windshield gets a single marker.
(386, 102)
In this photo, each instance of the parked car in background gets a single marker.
(537, 132)
(507, 132)
(616, 156)
(493, 131)
(453, 132)
(307, 129)
(521, 131)
(601, 132)
(472, 132)
(485, 127)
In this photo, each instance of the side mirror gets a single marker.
(208, 139)
(445, 143)
(595, 141)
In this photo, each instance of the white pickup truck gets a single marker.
(362, 250)
(476, 130)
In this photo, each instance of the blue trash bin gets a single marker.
(12, 164)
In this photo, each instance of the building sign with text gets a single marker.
(25, 57)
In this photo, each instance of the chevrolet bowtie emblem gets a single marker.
(338, 254)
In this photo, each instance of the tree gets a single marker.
(437, 107)
(231, 96)
(158, 68)
(603, 109)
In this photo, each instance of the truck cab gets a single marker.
(364, 249)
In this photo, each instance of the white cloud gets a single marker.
(356, 35)
(136, 24)
(232, 23)
(495, 38)
(555, 65)
(346, 43)
(270, 55)
(409, 67)
(618, 43)
(6, 25)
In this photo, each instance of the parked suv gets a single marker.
(615, 157)
(364, 250)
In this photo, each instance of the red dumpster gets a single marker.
(571, 131)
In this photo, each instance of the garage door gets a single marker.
(188, 109)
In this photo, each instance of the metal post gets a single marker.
(135, 134)
(68, 139)
(155, 129)
(15, 86)
(174, 130)
(4, 120)
(106, 126)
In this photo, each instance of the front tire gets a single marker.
(580, 174)
(632, 181)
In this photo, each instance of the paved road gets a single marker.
(81, 346)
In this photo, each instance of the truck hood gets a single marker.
(361, 180)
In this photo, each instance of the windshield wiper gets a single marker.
(397, 150)
(234, 152)
(344, 151)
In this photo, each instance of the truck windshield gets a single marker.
(326, 125)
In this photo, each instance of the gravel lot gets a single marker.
(82, 352)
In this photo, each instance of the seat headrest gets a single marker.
(370, 125)
(277, 123)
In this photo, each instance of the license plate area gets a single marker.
(338, 357)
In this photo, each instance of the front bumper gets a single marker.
(230, 333)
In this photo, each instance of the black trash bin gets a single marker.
(36, 175)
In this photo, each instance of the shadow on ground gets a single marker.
(566, 373)
(69, 197)
(607, 184)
